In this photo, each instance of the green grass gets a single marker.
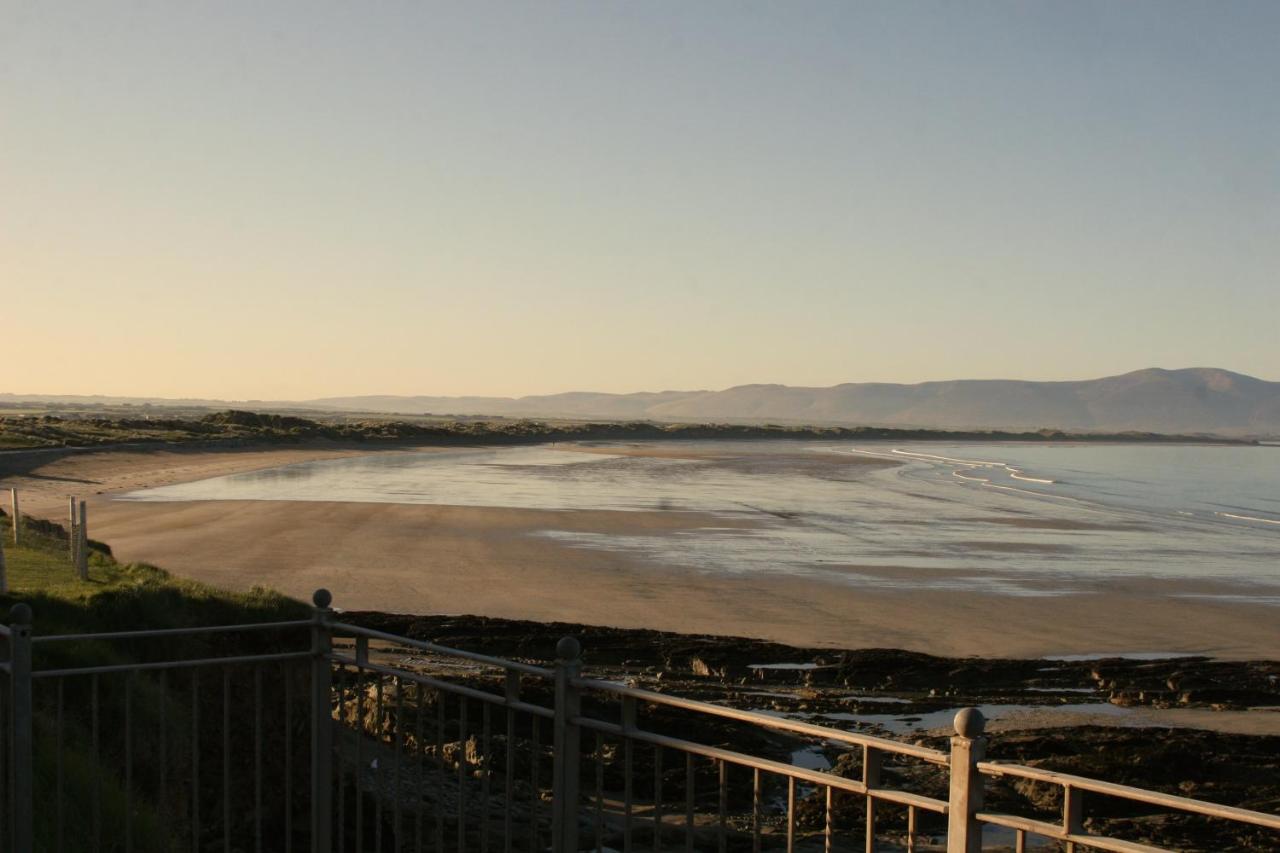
(119, 597)
(42, 566)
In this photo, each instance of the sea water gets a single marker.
(1037, 519)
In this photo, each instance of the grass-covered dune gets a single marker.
(33, 431)
(122, 743)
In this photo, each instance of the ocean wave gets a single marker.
(1013, 471)
(1248, 518)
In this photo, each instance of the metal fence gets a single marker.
(181, 740)
(114, 746)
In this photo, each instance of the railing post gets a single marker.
(321, 725)
(362, 651)
(872, 764)
(17, 517)
(21, 763)
(968, 747)
(4, 573)
(567, 742)
(1072, 813)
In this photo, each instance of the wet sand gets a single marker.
(47, 477)
(489, 561)
(1254, 721)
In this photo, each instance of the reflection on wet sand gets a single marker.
(841, 514)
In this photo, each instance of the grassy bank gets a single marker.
(119, 596)
(153, 745)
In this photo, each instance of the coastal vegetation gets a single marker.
(132, 742)
(237, 427)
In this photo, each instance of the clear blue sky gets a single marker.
(287, 200)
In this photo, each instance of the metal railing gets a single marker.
(338, 743)
(1071, 829)
(628, 730)
(103, 754)
(397, 723)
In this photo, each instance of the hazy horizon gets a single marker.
(374, 393)
(296, 201)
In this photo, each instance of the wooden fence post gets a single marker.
(17, 517)
(82, 544)
(968, 747)
(73, 541)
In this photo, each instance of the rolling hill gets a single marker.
(1193, 400)
(1187, 401)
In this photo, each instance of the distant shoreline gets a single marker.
(244, 430)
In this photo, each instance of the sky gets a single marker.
(283, 200)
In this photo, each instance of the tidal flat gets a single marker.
(996, 549)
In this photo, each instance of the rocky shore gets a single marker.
(1112, 719)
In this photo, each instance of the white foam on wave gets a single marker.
(1013, 471)
(871, 453)
(1248, 518)
(900, 452)
(1043, 495)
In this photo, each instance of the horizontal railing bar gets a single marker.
(172, 632)
(1056, 832)
(475, 657)
(884, 744)
(817, 777)
(4, 630)
(1140, 795)
(446, 686)
(727, 755)
(171, 664)
(1027, 824)
(906, 798)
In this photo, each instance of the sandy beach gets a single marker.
(489, 561)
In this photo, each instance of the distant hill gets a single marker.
(573, 404)
(1192, 400)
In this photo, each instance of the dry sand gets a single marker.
(489, 561)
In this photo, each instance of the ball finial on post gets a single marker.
(568, 649)
(970, 723)
(322, 598)
(20, 614)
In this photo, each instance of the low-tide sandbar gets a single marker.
(492, 561)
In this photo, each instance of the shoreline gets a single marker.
(492, 561)
(896, 692)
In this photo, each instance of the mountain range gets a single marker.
(1192, 400)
